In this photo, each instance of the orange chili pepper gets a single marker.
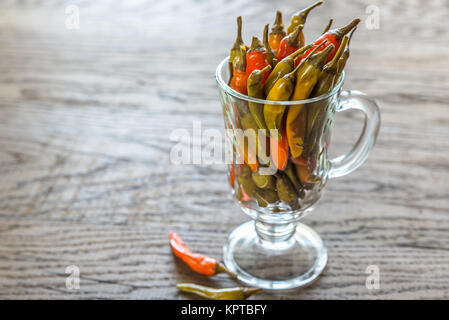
(232, 175)
(197, 262)
(280, 156)
(290, 43)
(239, 77)
(277, 32)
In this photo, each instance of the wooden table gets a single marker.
(85, 121)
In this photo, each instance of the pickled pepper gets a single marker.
(256, 58)
(277, 32)
(240, 293)
(300, 17)
(255, 90)
(334, 37)
(307, 77)
(271, 56)
(290, 43)
(283, 67)
(279, 150)
(327, 76)
(239, 77)
(281, 91)
(197, 262)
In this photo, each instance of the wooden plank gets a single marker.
(85, 123)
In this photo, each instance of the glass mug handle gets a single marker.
(347, 163)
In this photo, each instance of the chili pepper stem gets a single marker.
(222, 269)
(329, 25)
(305, 12)
(278, 24)
(347, 28)
(238, 41)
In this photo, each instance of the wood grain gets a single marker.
(85, 121)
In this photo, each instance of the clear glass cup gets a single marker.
(275, 251)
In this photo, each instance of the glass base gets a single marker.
(275, 265)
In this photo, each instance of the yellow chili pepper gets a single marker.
(255, 91)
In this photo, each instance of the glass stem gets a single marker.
(275, 236)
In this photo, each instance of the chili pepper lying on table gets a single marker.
(197, 262)
(240, 293)
(300, 17)
(334, 37)
(290, 43)
(277, 33)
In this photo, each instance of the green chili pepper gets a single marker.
(317, 115)
(231, 72)
(239, 293)
(285, 189)
(289, 171)
(283, 67)
(300, 17)
(255, 91)
(326, 80)
(239, 193)
(248, 184)
(263, 181)
(265, 197)
(344, 58)
(270, 54)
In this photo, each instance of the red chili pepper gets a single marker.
(290, 43)
(334, 36)
(256, 58)
(197, 262)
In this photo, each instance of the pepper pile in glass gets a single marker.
(279, 98)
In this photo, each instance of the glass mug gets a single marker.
(275, 251)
